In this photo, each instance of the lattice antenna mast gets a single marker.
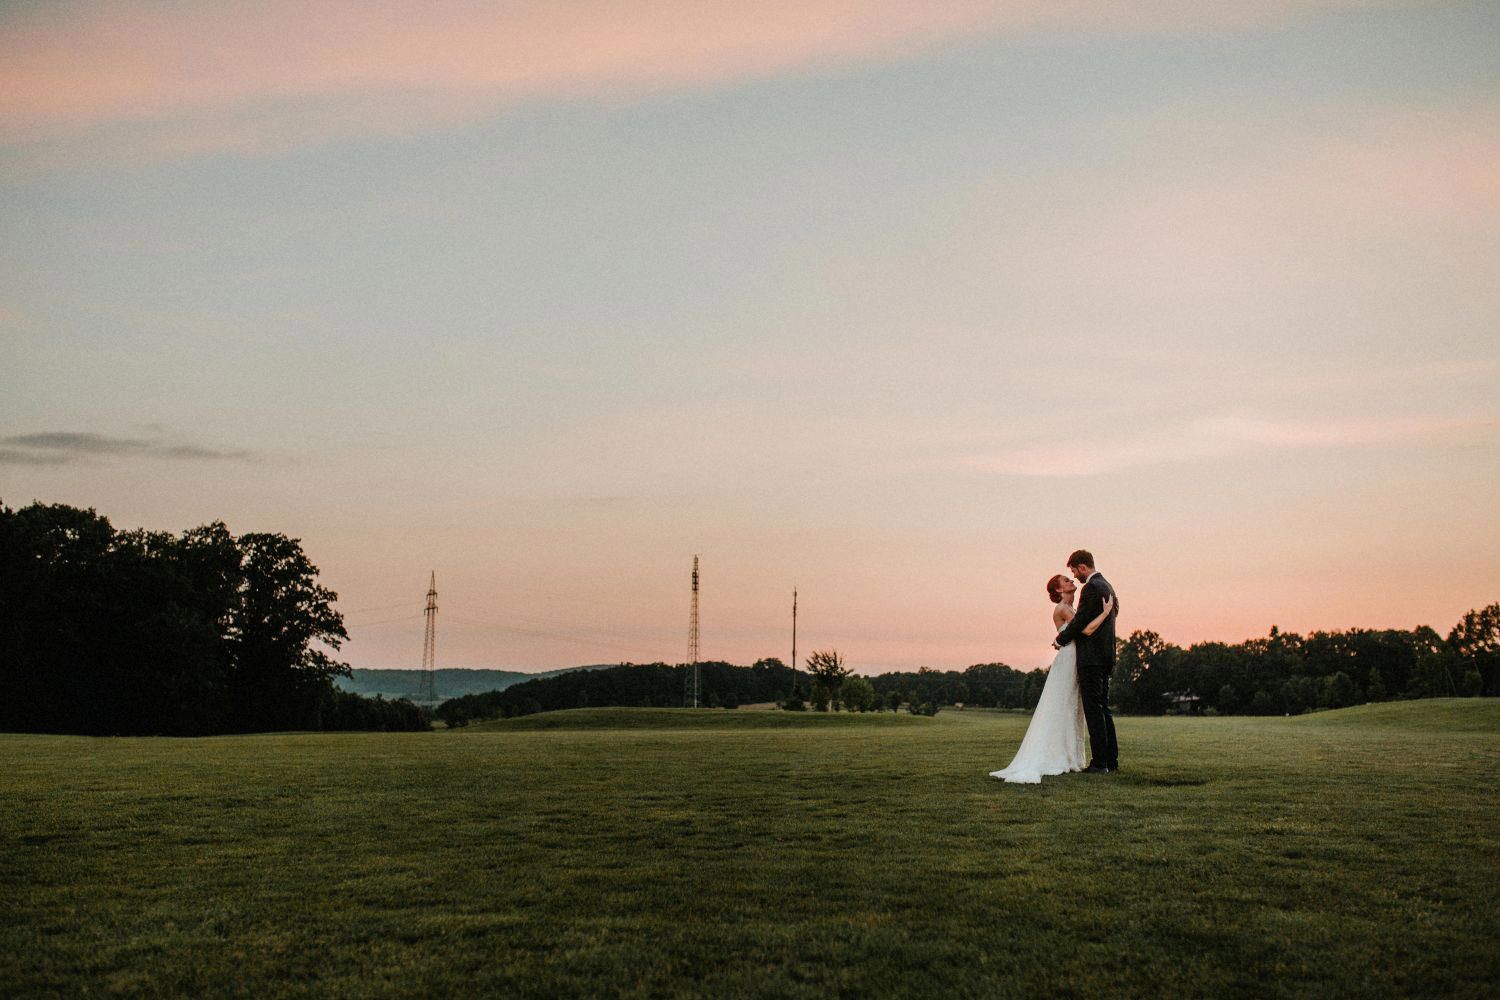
(794, 640)
(427, 685)
(693, 638)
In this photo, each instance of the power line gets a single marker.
(546, 634)
(383, 607)
(574, 597)
(534, 631)
(387, 621)
(573, 623)
(567, 630)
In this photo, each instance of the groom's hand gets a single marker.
(1056, 646)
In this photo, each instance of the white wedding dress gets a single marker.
(1054, 742)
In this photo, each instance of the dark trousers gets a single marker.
(1093, 685)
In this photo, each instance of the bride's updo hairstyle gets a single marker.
(1054, 588)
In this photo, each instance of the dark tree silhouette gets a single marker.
(828, 673)
(141, 632)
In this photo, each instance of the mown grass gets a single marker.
(637, 853)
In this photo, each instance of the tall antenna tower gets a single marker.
(693, 640)
(427, 683)
(794, 640)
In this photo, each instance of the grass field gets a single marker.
(676, 853)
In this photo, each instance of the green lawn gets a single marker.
(713, 853)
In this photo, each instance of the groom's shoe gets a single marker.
(1095, 769)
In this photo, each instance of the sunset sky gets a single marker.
(894, 302)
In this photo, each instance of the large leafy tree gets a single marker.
(1139, 682)
(857, 693)
(278, 632)
(58, 594)
(115, 632)
(828, 673)
(1475, 641)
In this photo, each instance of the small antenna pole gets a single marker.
(794, 640)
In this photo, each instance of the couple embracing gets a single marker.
(1075, 697)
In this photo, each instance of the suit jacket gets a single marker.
(1097, 650)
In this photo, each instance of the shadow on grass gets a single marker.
(1157, 779)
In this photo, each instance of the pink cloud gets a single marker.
(268, 74)
(1372, 163)
(1214, 215)
(1353, 432)
(1219, 437)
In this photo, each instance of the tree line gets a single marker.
(827, 684)
(105, 631)
(646, 685)
(114, 632)
(1283, 673)
(1287, 673)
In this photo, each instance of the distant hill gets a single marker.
(635, 685)
(694, 718)
(450, 683)
(1453, 715)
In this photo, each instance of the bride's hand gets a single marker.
(1109, 604)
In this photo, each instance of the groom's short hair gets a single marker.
(1083, 557)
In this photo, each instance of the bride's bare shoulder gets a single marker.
(1061, 614)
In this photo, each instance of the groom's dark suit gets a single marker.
(1096, 661)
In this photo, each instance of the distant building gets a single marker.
(1182, 702)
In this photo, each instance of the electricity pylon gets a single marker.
(427, 683)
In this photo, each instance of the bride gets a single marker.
(1054, 742)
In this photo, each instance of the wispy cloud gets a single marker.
(1476, 372)
(1220, 437)
(63, 447)
(1273, 202)
(1233, 432)
(258, 77)
(15, 456)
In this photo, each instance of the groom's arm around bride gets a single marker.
(1091, 606)
(1095, 659)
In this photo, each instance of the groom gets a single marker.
(1096, 660)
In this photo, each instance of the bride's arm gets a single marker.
(1109, 605)
(1061, 615)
